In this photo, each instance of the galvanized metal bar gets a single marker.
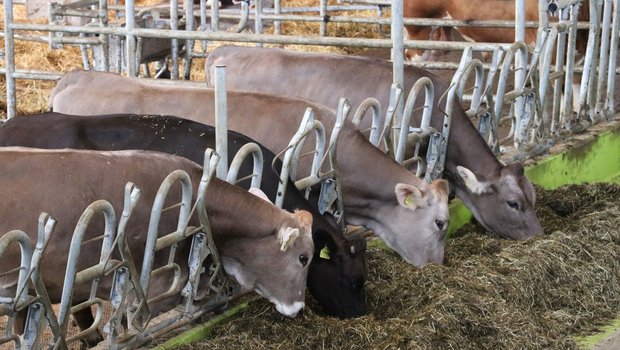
(100, 206)
(601, 87)
(396, 92)
(317, 159)
(244, 19)
(174, 42)
(375, 128)
(264, 38)
(215, 19)
(277, 9)
(344, 108)
(258, 19)
(589, 62)
(140, 313)
(153, 243)
(189, 43)
(25, 247)
(520, 58)
(221, 120)
(46, 226)
(591, 113)
(612, 70)
(476, 66)
(130, 39)
(9, 59)
(558, 83)
(258, 160)
(209, 167)
(424, 129)
(398, 54)
(566, 111)
(306, 124)
(325, 18)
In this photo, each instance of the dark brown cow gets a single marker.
(477, 10)
(409, 215)
(265, 248)
(337, 283)
(501, 197)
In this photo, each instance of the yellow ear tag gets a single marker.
(409, 201)
(324, 253)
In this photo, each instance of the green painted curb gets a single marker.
(590, 341)
(596, 161)
(200, 332)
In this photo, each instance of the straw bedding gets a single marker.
(491, 293)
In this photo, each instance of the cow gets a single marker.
(477, 10)
(500, 196)
(345, 268)
(264, 248)
(406, 213)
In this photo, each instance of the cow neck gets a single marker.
(235, 213)
(368, 175)
(467, 148)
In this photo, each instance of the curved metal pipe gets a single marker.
(153, 243)
(403, 130)
(257, 156)
(373, 103)
(25, 246)
(99, 206)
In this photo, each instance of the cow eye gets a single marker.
(514, 205)
(440, 224)
(303, 259)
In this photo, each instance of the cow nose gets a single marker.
(440, 224)
(290, 310)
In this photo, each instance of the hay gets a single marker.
(492, 293)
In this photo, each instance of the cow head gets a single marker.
(275, 266)
(338, 273)
(503, 203)
(418, 222)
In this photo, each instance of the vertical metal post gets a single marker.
(611, 72)
(221, 122)
(604, 57)
(174, 25)
(277, 25)
(103, 22)
(130, 39)
(189, 43)
(520, 56)
(398, 56)
(258, 20)
(215, 15)
(323, 14)
(9, 52)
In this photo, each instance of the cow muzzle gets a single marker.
(290, 310)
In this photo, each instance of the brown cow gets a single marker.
(405, 212)
(477, 10)
(501, 197)
(265, 248)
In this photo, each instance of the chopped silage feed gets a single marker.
(491, 293)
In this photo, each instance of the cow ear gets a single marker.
(409, 196)
(471, 181)
(259, 193)
(287, 237)
(305, 220)
(441, 186)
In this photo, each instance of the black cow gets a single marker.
(336, 283)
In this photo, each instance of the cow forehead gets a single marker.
(518, 186)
